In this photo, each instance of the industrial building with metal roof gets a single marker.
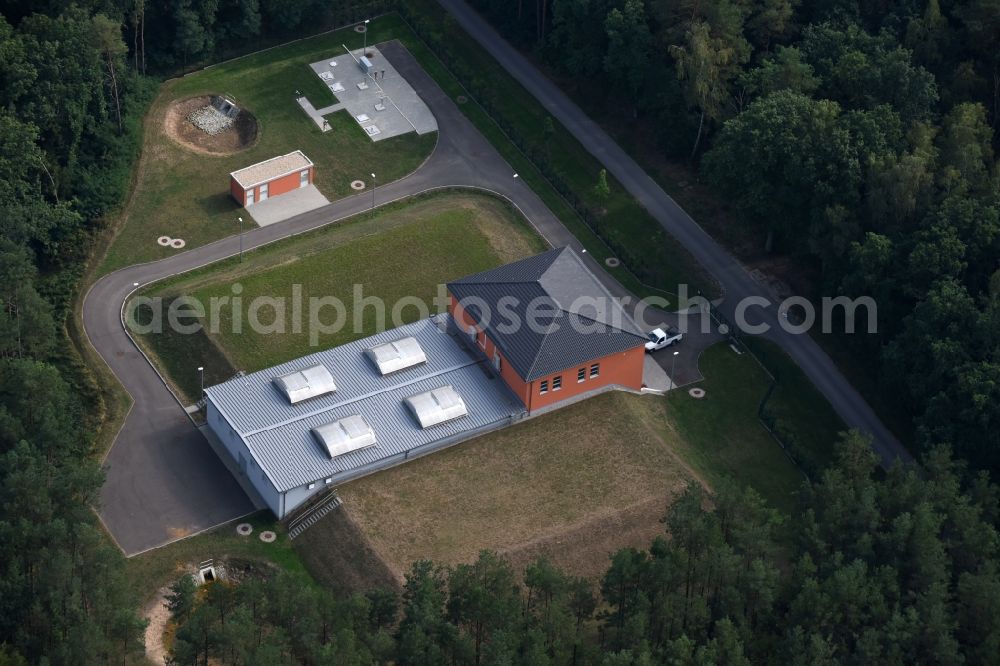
(303, 426)
(319, 420)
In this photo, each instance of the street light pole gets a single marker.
(364, 51)
(241, 240)
(373, 195)
(673, 364)
(201, 374)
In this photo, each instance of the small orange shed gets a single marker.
(270, 178)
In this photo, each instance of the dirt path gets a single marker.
(157, 614)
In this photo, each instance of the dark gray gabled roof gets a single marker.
(576, 319)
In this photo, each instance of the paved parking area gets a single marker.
(164, 482)
(700, 333)
(683, 369)
(284, 206)
(382, 102)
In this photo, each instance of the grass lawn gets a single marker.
(406, 250)
(575, 484)
(148, 572)
(183, 194)
(802, 416)
(721, 435)
(581, 482)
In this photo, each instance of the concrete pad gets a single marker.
(317, 115)
(655, 377)
(284, 206)
(399, 106)
(325, 111)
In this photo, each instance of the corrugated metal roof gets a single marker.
(251, 403)
(577, 319)
(279, 435)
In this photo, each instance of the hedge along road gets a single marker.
(163, 480)
(736, 282)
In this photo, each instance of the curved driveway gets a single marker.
(163, 481)
(736, 282)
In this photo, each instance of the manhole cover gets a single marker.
(164, 240)
(613, 262)
(360, 28)
(461, 99)
(244, 529)
(177, 243)
(697, 393)
(357, 184)
(268, 536)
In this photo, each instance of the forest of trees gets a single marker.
(69, 125)
(894, 570)
(75, 81)
(858, 137)
(864, 136)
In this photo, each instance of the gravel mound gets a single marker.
(210, 120)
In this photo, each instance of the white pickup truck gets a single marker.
(660, 338)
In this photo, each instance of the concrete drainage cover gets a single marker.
(268, 536)
(167, 241)
(244, 529)
(697, 393)
(613, 262)
(461, 99)
(357, 185)
(360, 28)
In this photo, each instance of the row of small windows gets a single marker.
(581, 375)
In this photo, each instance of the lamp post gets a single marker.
(201, 375)
(364, 51)
(515, 175)
(241, 240)
(673, 364)
(373, 195)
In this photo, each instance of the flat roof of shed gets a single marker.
(268, 170)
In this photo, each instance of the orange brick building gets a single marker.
(550, 328)
(271, 178)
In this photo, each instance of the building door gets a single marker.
(249, 198)
(496, 360)
(303, 178)
(263, 192)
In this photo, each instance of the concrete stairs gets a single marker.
(312, 514)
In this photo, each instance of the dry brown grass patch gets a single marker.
(574, 485)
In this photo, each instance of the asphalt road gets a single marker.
(163, 480)
(735, 281)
